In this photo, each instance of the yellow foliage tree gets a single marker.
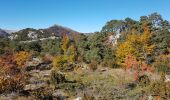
(147, 47)
(126, 48)
(136, 44)
(72, 53)
(58, 62)
(65, 43)
(21, 57)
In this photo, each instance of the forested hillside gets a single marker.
(127, 60)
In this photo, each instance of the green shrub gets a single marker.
(108, 63)
(71, 88)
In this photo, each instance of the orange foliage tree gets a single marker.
(138, 67)
(11, 77)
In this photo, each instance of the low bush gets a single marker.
(12, 84)
(161, 89)
(162, 64)
(42, 94)
(144, 80)
(71, 88)
(87, 97)
(12, 77)
(57, 77)
(108, 63)
(93, 65)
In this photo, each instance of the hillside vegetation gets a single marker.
(126, 60)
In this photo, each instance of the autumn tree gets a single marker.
(138, 45)
(11, 76)
(65, 43)
(21, 57)
(58, 62)
(72, 53)
(145, 40)
(127, 48)
(138, 67)
(133, 52)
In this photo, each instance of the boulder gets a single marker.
(167, 78)
(31, 87)
(78, 98)
(60, 95)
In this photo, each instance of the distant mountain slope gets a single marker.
(3, 33)
(10, 31)
(35, 34)
(58, 30)
(29, 34)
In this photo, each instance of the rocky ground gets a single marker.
(82, 83)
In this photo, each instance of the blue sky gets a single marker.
(80, 15)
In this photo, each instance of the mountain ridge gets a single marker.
(33, 34)
(3, 33)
